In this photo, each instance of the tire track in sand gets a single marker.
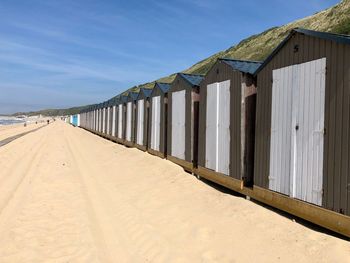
(95, 224)
(45, 221)
(130, 231)
(14, 187)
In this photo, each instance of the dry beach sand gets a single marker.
(7, 131)
(67, 195)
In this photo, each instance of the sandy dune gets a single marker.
(69, 196)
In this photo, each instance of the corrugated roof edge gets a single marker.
(163, 86)
(146, 92)
(240, 60)
(324, 35)
(241, 65)
(232, 59)
(187, 74)
(133, 95)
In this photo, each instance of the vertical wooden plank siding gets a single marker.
(113, 120)
(140, 121)
(218, 73)
(108, 121)
(336, 118)
(281, 139)
(146, 123)
(179, 84)
(223, 127)
(346, 129)
(97, 119)
(116, 121)
(120, 121)
(178, 106)
(128, 121)
(155, 125)
(211, 137)
(104, 120)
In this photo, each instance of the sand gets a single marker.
(7, 131)
(67, 195)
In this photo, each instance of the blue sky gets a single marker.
(56, 54)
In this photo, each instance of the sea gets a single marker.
(8, 120)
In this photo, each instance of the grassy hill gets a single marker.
(53, 112)
(257, 47)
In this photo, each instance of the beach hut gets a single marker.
(82, 118)
(226, 123)
(97, 118)
(75, 120)
(107, 117)
(112, 118)
(104, 118)
(158, 120)
(121, 118)
(142, 117)
(302, 128)
(115, 127)
(130, 119)
(183, 114)
(100, 118)
(91, 118)
(86, 118)
(93, 128)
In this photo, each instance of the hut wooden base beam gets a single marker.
(221, 179)
(141, 147)
(129, 144)
(156, 153)
(188, 166)
(318, 215)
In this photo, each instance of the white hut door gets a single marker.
(178, 124)
(308, 132)
(128, 120)
(140, 121)
(218, 127)
(99, 120)
(155, 131)
(120, 121)
(108, 116)
(211, 127)
(281, 128)
(113, 120)
(223, 106)
(95, 119)
(104, 120)
(297, 131)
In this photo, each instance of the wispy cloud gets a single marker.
(84, 51)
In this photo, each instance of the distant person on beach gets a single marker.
(48, 121)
